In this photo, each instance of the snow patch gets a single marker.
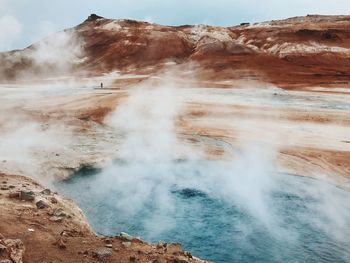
(260, 25)
(311, 48)
(200, 31)
(112, 26)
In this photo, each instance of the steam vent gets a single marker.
(124, 140)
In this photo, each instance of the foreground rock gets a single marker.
(35, 229)
(13, 249)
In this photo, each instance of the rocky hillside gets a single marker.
(312, 50)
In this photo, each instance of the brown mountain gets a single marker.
(301, 51)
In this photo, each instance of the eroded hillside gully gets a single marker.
(225, 197)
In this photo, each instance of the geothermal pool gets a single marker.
(216, 212)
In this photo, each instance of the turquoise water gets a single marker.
(308, 221)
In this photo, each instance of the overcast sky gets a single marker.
(25, 21)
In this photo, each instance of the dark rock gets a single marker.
(161, 245)
(27, 195)
(46, 191)
(56, 219)
(188, 254)
(108, 241)
(59, 212)
(53, 200)
(181, 259)
(41, 204)
(132, 258)
(93, 17)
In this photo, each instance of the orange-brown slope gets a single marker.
(301, 51)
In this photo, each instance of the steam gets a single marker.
(150, 167)
(30, 147)
(154, 163)
(146, 120)
(60, 52)
(10, 31)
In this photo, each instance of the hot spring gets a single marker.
(217, 213)
(238, 209)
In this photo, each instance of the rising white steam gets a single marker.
(154, 163)
(59, 52)
(10, 32)
(30, 147)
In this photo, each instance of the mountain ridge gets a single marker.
(312, 50)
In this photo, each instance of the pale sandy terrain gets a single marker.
(309, 130)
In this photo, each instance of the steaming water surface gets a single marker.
(293, 219)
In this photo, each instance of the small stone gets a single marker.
(188, 254)
(181, 259)
(132, 258)
(41, 204)
(108, 241)
(173, 248)
(56, 219)
(126, 236)
(31, 230)
(109, 245)
(61, 243)
(46, 191)
(12, 186)
(27, 195)
(53, 200)
(102, 253)
(59, 212)
(2, 248)
(126, 244)
(161, 245)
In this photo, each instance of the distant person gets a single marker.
(101, 85)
